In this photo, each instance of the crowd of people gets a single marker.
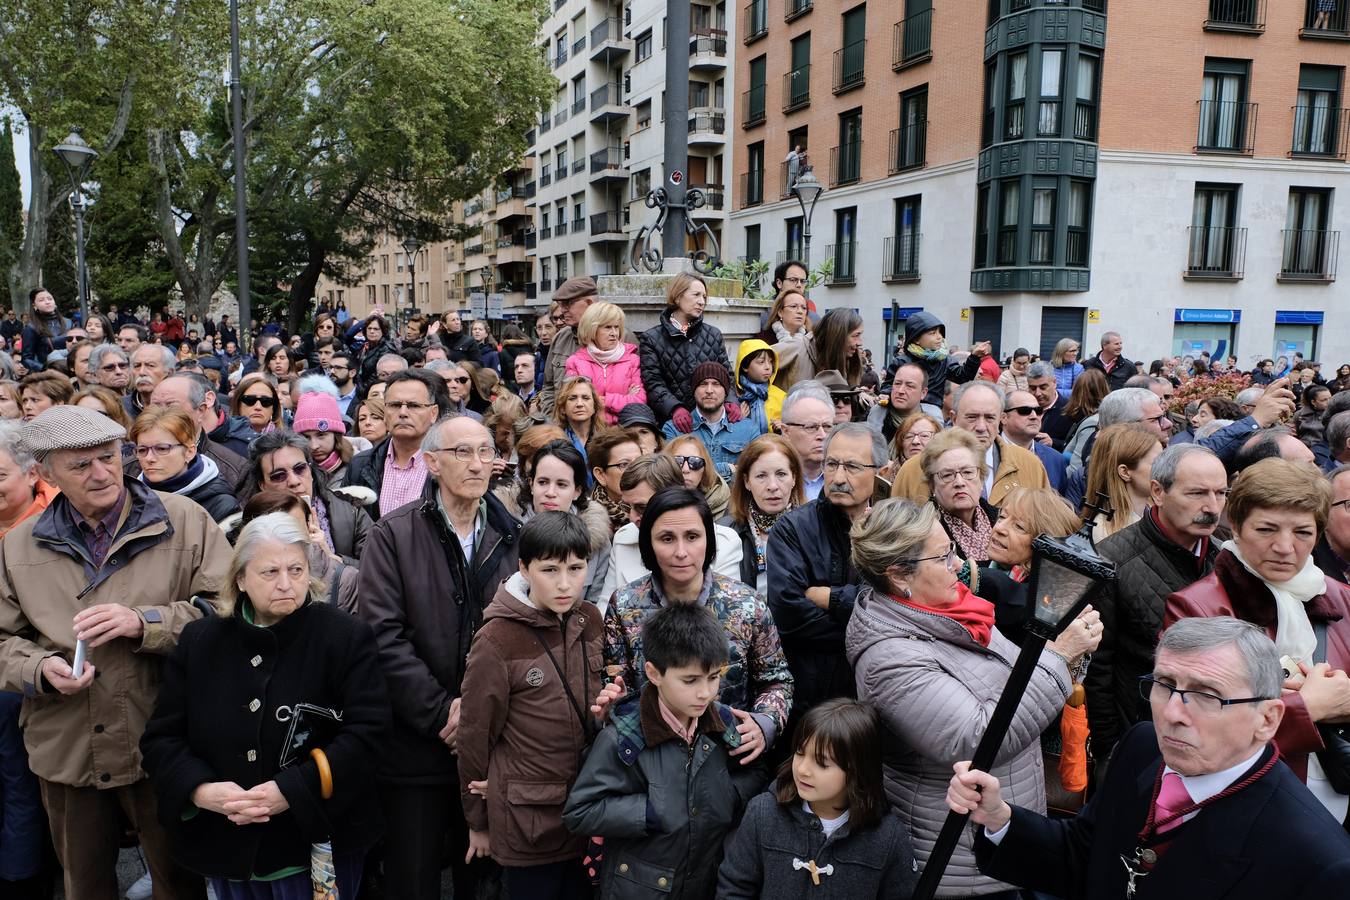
(578, 612)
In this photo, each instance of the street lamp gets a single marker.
(1064, 574)
(807, 189)
(78, 157)
(410, 247)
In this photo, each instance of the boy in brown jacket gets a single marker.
(524, 722)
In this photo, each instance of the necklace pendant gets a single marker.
(1134, 870)
(1148, 857)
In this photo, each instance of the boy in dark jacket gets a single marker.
(926, 347)
(523, 725)
(658, 785)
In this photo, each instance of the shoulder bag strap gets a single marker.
(576, 707)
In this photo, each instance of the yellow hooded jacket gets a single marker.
(773, 407)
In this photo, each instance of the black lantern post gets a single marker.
(78, 157)
(807, 190)
(1064, 574)
(410, 247)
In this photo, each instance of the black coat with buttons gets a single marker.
(227, 689)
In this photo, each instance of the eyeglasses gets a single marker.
(410, 405)
(948, 476)
(949, 559)
(1160, 420)
(465, 452)
(695, 463)
(621, 466)
(156, 450)
(1203, 702)
(852, 468)
(1342, 503)
(793, 279)
(263, 400)
(459, 379)
(281, 476)
(810, 426)
(1024, 410)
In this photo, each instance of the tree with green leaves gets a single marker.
(11, 201)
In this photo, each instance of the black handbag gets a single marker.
(312, 727)
(1335, 759)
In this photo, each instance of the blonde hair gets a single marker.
(892, 534)
(951, 439)
(1276, 483)
(1064, 345)
(678, 285)
(710, 476)
(565, 393)
(167, 418)
(776, 311)
(1117, 445)
(1042, 511)
(596, 317)
(901, 433)
(278, 527)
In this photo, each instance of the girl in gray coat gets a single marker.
(826, 830)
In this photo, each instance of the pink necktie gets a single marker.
(1172, 798)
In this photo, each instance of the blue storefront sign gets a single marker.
(1231, 316)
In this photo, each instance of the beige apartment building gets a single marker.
(1036, 169)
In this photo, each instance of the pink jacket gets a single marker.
(619, 384)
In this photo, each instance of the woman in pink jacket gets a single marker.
(604, 358)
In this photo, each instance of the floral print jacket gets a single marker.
(757, 678)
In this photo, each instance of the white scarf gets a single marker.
(606, 357)
(1294, 635)
(780, 331)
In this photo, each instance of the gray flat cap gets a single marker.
(68, 428)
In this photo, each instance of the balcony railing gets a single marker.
(756, 20)
(1236, 15)
(713, 194)
(1076, 250)
(545, 178)
(1309, 255)
(752, 106)
(578, 106)
(531, 188)
(544, 123)
(1216, 251)
(531, 240)
(609, 29)
(578, 45)
(708, 43)
(545, 284)
(1321, 131)
(850, 70)
(752, 188)
(797, 88)
(1226, 127)
(531, 290)
(578, 225)
(560, 115)
(560, 57)
(546, 232)
(606, 223)
(845, 163)
(901, 257)
(1084, 122)
(788, 175)
(912, 40)
(708, 122)
(1334, 25)
(794, 8)
(610, 158)
(909, 147)
(845, 258)
(606, 95)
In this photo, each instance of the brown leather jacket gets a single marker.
(1230, 590)
(519, 728)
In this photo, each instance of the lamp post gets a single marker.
(240, 176)
(1064, 573)
(78, 157)
(410, 247)
(807, 190)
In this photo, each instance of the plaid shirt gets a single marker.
(401, 485)
(757, 678)
(98, 537)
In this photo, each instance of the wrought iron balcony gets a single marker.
(845, 163)
(909, 147)
(1321, 131)
(850, 70)
(752, 188)
(756, 20)
(752, 106)
(845, 258)
(1216, 251)
(1309, 255)
(901, 258)
(795, 8)
(1242, 16)
(912, 40)
(797, 88)
(1226, 127)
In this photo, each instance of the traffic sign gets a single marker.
(676, 177)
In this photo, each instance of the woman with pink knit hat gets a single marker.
(319, 421)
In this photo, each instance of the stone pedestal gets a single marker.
(643, 298)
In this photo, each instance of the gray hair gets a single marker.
(12, 443)
(272, 528)
(205, 348)
(1164, 470)
(441, 365)
(1124, 405)
(1265, 678)
(1040, 369)
(316, 384)
(167, 359)
(197, 387)
(99, 352)
(1249, 396)
(1337, 472)
(880, 453)
(1107, 336)
(803, 390)
(432, 440)
(6, 366)
(892, 534)
(403, 363)
(1338, 432)
(969, 386)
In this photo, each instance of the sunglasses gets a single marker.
(1024, 410)
(281, 476)
(263, 400)
(460, 379)
(695, 463)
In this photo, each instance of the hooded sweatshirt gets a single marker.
(765, 400)
(939, 368)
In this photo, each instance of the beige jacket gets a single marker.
(168, 551)
(1016, 468)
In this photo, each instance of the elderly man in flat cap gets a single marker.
(574, 296)
(122, 568)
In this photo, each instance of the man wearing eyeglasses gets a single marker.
(428, 571)
(1196, 803)
(1022, 418)
(808, 415)
(1332, 553)
(341, 372)
(118, 566)
(812, 580)
(396, 468)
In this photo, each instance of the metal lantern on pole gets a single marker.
(410, 247)
(807, 189)
(78, 156)
(1065, 572)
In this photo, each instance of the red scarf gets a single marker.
(973, 613)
